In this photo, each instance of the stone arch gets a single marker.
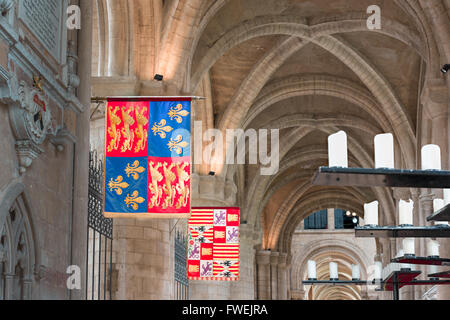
(260, 184)
(292, 25)
(18, 250)
(338, 87)
(415, 11)
(321, 199)
(255, 81)
(314, 248)
(319, 246)
(205, 19)
(307, 120)
(288, 229)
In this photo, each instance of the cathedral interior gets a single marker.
(306, 68)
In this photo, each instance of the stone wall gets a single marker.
(41, 112)
(143, 259)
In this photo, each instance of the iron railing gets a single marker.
(99, 233)
(181, 281)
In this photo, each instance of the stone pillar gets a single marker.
(330, 213)
(302, 225)
(81, 170)
(263, 277)
(27, 289)
(274, 275)
(407, 293)
(9, 283)
(142, 264)
(244, 289)
(282, 277)
(297, 294)
(425, 209)
(435, 100)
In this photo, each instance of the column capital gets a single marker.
(263, 257)
(401, 194)
(426, 200)
(274, 258)
(282, 260)
(434, 97)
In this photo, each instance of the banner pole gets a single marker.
(103, 99)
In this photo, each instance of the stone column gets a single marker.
(274, 275)
(435, 98)
(81, 170)
(282, 277)
(407, 293)
(142, 259)
(425, 210)
(263, 277)
(27, 289)
(298, 295)
(244, 289)
(9, 283)
(302, 225)
(330, 213)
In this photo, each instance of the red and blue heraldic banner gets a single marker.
(213, 244)
(148, 158)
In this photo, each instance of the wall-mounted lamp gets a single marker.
(445, 68)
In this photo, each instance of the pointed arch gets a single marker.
(18, 249)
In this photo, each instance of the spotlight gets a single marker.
(159, 77)
(212, 173)
(445, 68)
(354, 214)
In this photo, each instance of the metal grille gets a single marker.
(181, 280)
(99, 236)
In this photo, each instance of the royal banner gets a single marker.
(213, 244)
(148, 158)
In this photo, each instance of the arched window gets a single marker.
(17, 255)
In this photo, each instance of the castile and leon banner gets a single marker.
(213, 244)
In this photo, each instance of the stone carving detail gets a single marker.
(72, 60)
(6, 6)
(3, 246)
(15, 254)
(31, 121)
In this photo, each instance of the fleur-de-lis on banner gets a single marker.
(134, 200)
(117, 185)
(134, 170)
(161, 129)
(177, 144)
(177, 113)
